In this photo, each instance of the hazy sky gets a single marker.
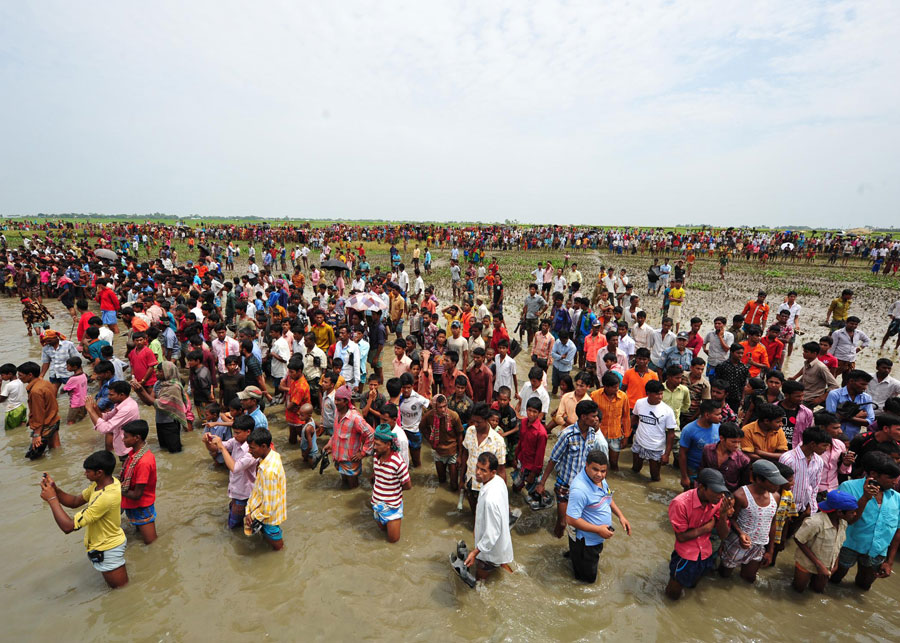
(644, 113)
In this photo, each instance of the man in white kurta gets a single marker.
(493, 544)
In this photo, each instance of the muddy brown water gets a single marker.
(338, 579)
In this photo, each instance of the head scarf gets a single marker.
(50, 335)
(383, 432)
(171, 398)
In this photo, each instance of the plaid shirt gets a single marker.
(570, 452)
(352, 434)
(268, 500)
(57, 357)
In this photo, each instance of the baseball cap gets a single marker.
(838, 501)
(682, 335)
(250, 392)
(596, 322)
(455, 324)
(769, 471)
(344, 393)
(712, 479)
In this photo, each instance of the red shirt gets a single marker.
(531, 446)
(695, 343)
(497, 336)
(829, 360)
(141, 361)
(108, 300)
(687, 512)
(775, 349)
(82, 325)
(145, 474)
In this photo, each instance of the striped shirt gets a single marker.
(807, 474)
(390, 476)
(268, 500)
(56, 358)
(570, 452)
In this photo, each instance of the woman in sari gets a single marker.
(172, 406)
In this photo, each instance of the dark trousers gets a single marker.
(585, 559)
(169, 436)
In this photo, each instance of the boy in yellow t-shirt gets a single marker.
(103, 535)
(676, 302)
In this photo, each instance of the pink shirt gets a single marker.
(242, 478)
(687, 512)
(76, 387)
(113, 421)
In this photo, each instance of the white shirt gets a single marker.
(653, 422)
(403, 281)
(793, 310)
(526, 393)
(106, 335)
(844, 347)
(358, 284)
(642, 335)
(420, 285)
(492, 537)
(350, 356)
(627, 345)
(402, 443)
(411, 410)
(15, 393)
(658, 344)
(894, 310)
(281, 348)
(505, 372)
(881, 391)
(559, 284)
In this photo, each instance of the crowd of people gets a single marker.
(368, 369)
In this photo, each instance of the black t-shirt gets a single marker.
(230, 385)
(462, 407)
(508, 421)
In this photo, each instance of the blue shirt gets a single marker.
(872, 533)
(591, 503)
(570, 452)
(837, 396)
(563, 355)
(102, 397)
(693, 438)
(671, 356)
(260, 421)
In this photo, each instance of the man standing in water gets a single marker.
(103, 535)
(43, 410)
(493, 544)
(390, 478)
(693, 515)
(352, 439)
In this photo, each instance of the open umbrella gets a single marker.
(105, 253)
(366, 302)
(334, 264)
(787, 246)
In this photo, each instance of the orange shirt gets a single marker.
(592, 345)
(756, 313)
(635, 384)
(616, 414)
(759, 354)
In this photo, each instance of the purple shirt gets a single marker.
(732, 469)
(242, 478)
(113, 421)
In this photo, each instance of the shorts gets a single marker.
(272, 532)
(58, 380)
(446, 459)
(112, 559)
(141, 515)
(893, 328)
(687, 573)
(532, 324)
(615, 444)
(415, 439)
(16, 417)
(348, 468)
(561, 491)
(646, 454)
(384, 514)
(108, 317)
(76, 414)
(850, 557)
(734, 555)
(675, 313)
(237, 509)
(398, 327)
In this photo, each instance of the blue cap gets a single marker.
(838, 501)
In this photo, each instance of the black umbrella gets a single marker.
(203, 250)
(334, 264)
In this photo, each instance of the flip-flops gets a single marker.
(325, 463)
(540, 502)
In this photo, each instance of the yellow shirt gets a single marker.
(101, 517)
(676, 293)
(268, 500)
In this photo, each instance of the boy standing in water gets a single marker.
(103, 535)
(819, 541)
(267, 505)
(76, 387)
(139, 480)
(241, 467)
